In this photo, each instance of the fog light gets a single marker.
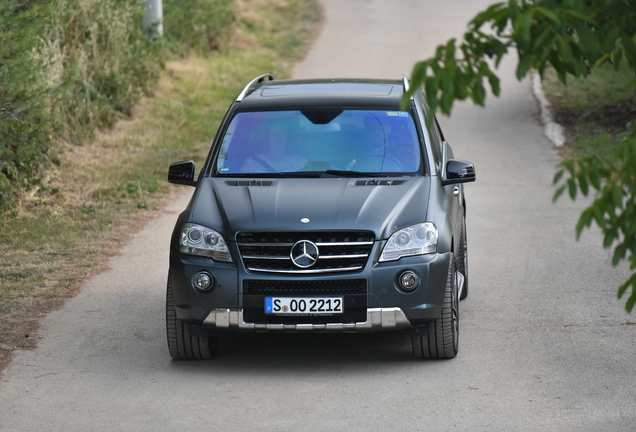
(203, 281)
(409, 280)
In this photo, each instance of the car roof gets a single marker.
(344, 93)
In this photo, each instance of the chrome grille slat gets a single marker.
(343, 256)
(345, 244)
(267, 244)
(321, 257)
(309, 271)
(269, 252)
(266, 257)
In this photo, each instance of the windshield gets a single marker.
(320, 140)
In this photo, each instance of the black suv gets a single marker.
(322, 207)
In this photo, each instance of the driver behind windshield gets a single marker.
(275, 155)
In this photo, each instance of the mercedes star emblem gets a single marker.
(304, 254)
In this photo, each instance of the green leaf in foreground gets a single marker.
(574, 38)
(611, 172)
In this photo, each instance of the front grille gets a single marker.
(304, 287)
(258, 316)
(338, 251)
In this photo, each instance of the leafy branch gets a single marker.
(613, 178)
(574, 38)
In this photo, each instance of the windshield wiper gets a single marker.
(343, 173)
(307, 174)
(302, 174)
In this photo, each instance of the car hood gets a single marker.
(378, 205)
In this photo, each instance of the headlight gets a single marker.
(199, 240)
(418, 239)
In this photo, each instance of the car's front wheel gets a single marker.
(442, 340)
(181, 344)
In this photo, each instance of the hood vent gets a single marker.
(249, 183)
(379, 182)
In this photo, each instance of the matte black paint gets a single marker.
(233, 204)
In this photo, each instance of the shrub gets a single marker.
(69, 67)
(97, 54)
(24, 135)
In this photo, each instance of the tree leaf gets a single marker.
(609, 238)
(558, 193)
(525, 63)
(430, 86)
(631, 301)
(594, 177)
(576, 14)
(479, 93)
(629, 304)
(619, 253)
(629, 49)
(494, 83)
(617, 58)
(446, 101)
(514, 10)
(623, 288)
(521, 27)
(598, 214)
(572, 188)
(582, 182)
(617, 196)
(588, 39)
(490, 14)
(585, 220)
(547, 13)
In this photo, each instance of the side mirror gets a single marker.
(459, 171)
(182, 173)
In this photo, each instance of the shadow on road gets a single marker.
(304, 353)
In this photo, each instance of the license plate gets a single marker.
(304, 305)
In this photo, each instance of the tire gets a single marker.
(462, 260)
(181, 344)
(442, 340)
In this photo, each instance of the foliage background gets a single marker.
(71, 67)
(573, 38)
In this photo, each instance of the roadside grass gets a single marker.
(63, 231)
(596, 111)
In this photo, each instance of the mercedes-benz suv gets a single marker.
(323, 206)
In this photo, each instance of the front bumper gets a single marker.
(381, 307)
(378, 319)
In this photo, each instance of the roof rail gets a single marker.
(258, 79)
(406, 83)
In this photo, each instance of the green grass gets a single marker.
(596, 111)
(62, 232)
